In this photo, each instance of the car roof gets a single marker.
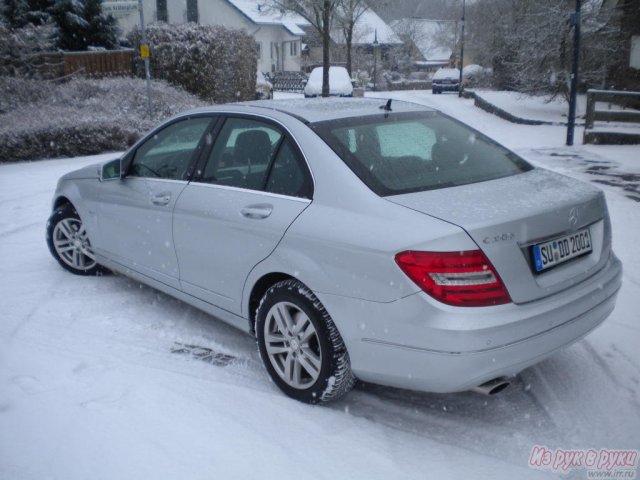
(319, 109)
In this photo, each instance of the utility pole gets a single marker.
(461, 49)
(574, 20)
(375, 60)
(144, 53)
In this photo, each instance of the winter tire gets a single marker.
(69, 243)
(300, 345)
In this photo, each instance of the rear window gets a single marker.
(446, 73)
(411, 152)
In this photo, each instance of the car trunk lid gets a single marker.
(506, 216)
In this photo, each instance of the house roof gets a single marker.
(260, 14)
(429, 36)
(368, 25)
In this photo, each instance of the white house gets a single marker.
(368, 27)
(278, 36)
(434, 39)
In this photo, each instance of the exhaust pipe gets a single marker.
(492, 386)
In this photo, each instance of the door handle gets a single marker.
(161, 199)
(257, 212)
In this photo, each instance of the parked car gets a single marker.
(354, 239)
(445, 80)
(340, 84)
(264, 88)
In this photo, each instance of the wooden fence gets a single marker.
(99, 64)
(620, 114)
(108, 63)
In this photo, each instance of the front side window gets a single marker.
(242, 154)
(170, 151)
(411, 152)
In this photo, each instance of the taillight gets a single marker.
(462, 279)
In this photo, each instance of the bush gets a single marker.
(41, 119)
(20, 48)
(215, 63)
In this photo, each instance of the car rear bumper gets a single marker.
(420, 344)
(446, 87)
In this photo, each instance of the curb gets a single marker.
(495, 110)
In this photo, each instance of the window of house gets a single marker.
(293, 49)
(192, 11)
(162, 14)
(259, 50)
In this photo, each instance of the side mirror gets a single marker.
(111, 170)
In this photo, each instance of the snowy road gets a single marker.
(90, 388)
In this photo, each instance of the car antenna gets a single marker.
(387, 107)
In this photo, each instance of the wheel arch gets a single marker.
(259, 288)
(60, 201)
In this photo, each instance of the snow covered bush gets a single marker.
(215, 63)
(41, 119)
(20, 48)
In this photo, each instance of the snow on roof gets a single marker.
(261, 14)
(429, 36)
(367, 26)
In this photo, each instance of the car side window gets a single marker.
(289, 174)
(169, 152)
(242, 154)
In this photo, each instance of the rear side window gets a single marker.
(256, 155)
(242, 154)
(402, 153)
(288, 175)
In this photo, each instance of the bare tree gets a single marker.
(529, 43)
(348, 14)
(320, 14)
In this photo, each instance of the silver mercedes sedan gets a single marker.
(356, 239)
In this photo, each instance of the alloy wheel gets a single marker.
(292, 345)
(72, 244)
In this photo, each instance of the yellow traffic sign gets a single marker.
(144, 51)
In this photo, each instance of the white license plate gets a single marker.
(562, 249)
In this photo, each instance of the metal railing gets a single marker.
(287, 81)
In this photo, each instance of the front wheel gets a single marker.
(300, 345)
(69, 243)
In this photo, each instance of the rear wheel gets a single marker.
(300, 345)
(69, 243)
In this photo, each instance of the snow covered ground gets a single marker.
(90, 388)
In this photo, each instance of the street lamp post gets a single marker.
(144, 53)
(571, 124)
(461, 49)
(375, 60)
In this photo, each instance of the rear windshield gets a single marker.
(412, 152)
